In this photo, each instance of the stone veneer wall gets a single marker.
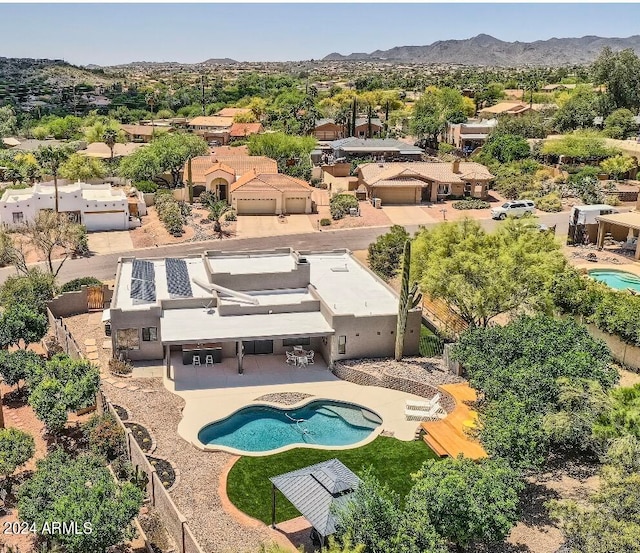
(393, 382)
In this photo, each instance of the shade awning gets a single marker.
(630, 219)
(180, 326)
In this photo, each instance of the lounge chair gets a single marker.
(436, 412)
(423, 405)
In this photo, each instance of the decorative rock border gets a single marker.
(284, 398)
(176, 471)
(393, 382)
(152, 448)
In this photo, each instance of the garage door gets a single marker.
(256, 207)
(296, 205)
(401, 195)
(106, 221)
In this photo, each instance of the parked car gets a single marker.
(516, 208)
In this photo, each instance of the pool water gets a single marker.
(620, 280)
(261, 428)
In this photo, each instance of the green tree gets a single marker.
(620, 73)
(618, 165)
(173, 150)
(82, 168)
(481, 275)
(51, 159)
(142, 165)
(32, 289)
(528, 125)
(81, 490)
(623, 417)
(385, 253)
(409, 299)
(582, 146)
(16, 448)
(105, 436)
(467, 502)
(8, 123)
(506, 148)
(578, 112)
(18, 365)
(110, 137)
(20, 324)
(620, 124)
(291, 152)
(63, 384)
(435, 108)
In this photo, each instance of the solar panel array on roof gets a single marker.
(143, 284)
(178, 282)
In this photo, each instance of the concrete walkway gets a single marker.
(213, 393)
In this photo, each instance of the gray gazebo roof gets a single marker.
(315, 490)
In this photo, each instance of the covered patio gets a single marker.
(620, 226)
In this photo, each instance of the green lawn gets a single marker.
(392, 460)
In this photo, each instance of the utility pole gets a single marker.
(204, 107)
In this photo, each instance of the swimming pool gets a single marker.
(620, 280)
(263, 428)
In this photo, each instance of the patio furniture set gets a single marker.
(300, 357)
(424, 410)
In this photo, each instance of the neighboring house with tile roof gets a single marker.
(232, 112)
(242, 130)
(212, 128)
(328, 129)
(513, 108)
(424, 182)
(270, 194)
(362, 127)
(143, 133)
(217, 174)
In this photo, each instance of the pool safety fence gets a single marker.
(174, 521)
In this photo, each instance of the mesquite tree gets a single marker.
(409, 299)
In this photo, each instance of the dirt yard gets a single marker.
(369, 217)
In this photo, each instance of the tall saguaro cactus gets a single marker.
(409, 298)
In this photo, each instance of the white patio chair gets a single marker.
(303, 361)
(423, 405)
(209, 360)
(436, 412)
(196, 361)
(310, 355)
(292, 358)
(297, 349)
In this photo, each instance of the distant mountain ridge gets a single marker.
(487, 50)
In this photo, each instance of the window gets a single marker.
(296, 341)
(342, 345)
(150, 334)
(443, 189)
(18, 217)
(127, 339)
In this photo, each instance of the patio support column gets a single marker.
(273, 506)
(240, 353)
(637, 256)
(600, 240)
(167, 357)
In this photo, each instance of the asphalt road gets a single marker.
(104, 266)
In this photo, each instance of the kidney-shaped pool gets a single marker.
(263, 428)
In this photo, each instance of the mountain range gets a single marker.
(487, 50)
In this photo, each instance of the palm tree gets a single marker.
(110, 137)
(51, 159)
(217, 209)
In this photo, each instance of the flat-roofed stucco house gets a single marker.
(217, 173)
(96, 206)
(227, 305)
(270, 194)
(470, 135)
(381, 148)
(424, 182)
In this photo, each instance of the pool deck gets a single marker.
(450, 436)
(215, 392)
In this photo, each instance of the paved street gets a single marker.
(104, 266)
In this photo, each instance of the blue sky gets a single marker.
(107, 34)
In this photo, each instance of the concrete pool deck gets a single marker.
(215, 392)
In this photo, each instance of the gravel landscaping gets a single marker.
(196, 494)
(285, 398)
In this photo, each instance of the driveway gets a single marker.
(271, 225)
(407, 215)
(114, 241)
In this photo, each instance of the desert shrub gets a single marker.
(104, 436)
(170, 212)
(340, 205)
(473, 203)
(77, 283)
(119, 367)
(550, 203)
(315, 181)
(445, 148)
(231, 216)
(612, 199)
(325, 222)
(146, 186)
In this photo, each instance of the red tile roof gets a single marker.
(255, 182)
(238, 130)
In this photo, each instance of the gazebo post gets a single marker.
(273, 506)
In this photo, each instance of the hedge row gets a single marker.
(171, 212)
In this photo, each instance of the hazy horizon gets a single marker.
(114, 34)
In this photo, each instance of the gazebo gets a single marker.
(316, 491)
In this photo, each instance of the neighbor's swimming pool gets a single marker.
(620, 280)
(262, 428)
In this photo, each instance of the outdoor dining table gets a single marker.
(301, 357)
